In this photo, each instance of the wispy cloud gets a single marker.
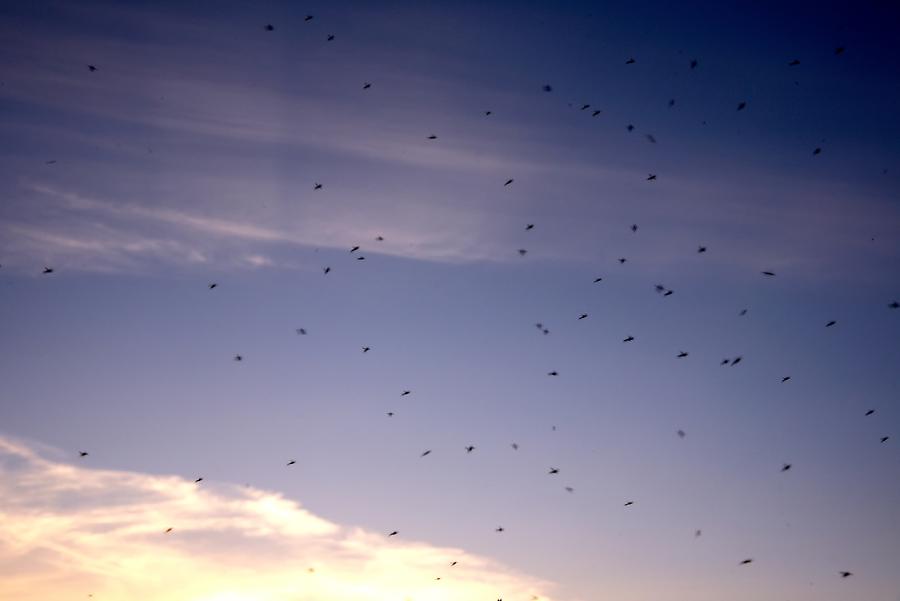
(72, 530)
(116, 233)
(233, 134)
(98, 233)
(177, 88)
(92, 247)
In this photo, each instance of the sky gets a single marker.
(192, 155)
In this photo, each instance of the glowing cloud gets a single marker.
(70, 532)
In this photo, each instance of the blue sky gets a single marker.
(190, 157)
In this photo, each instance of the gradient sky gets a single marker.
(190, 156)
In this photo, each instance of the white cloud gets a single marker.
(73, 531)
(258, 261)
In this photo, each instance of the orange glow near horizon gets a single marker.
(70, 532)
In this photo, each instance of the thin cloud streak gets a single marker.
(66, 529)
(316, 231)
(95, 248)
(203, 98)
(102, 235)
